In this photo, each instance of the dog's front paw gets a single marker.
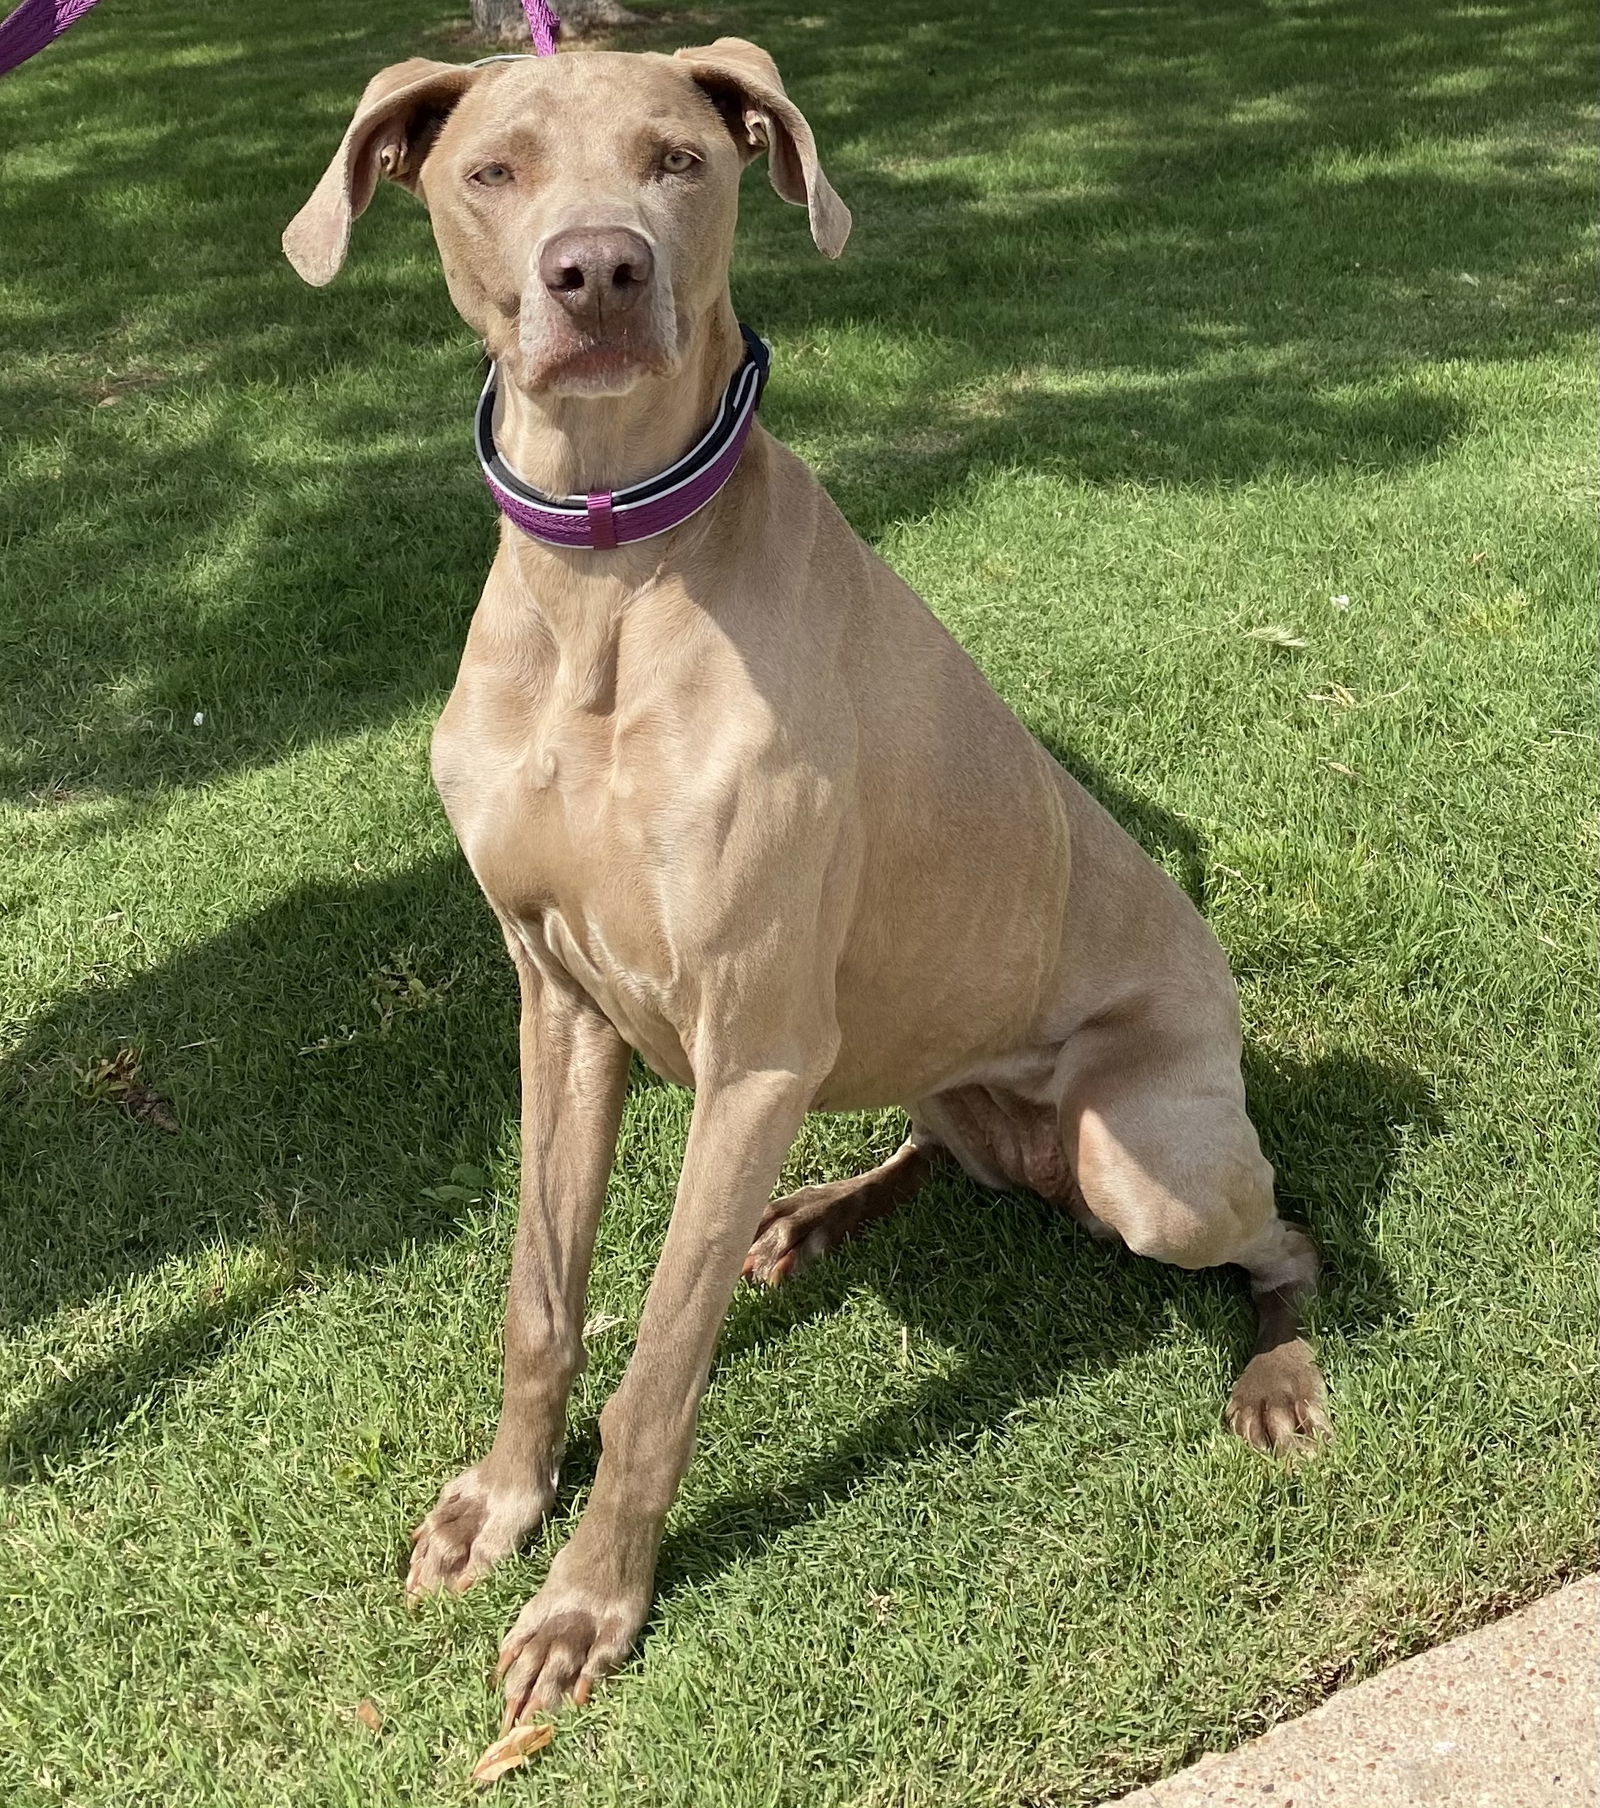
(479, 1521)
(1279, 1403)
(567, 1638)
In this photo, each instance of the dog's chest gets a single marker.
(572, 813)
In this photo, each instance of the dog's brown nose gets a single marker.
(596, 275)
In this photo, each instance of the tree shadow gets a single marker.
(1213, 259)
(1236, 243)
(321, 1099)
(1189, 301)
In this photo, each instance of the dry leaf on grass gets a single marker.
(369, 1716)
(1335, 693)
(119, 1081)
(1275, 634)
(506, 1754)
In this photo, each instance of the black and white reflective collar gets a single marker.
(603, 519)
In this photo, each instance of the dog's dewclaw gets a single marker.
(506, 1754)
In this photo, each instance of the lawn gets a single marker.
(1219, 370)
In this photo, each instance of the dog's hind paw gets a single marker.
(803, 1226)
(797, 1231)
(1279, 1404)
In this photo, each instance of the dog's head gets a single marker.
(584, 205)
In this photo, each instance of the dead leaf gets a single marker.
(1334, 766)
(1275, 634)
(114, 388)
(53, 796)
(1347, 699)
(119, 1081)
(369, 1716)
(1335, 693)
(506, 1754)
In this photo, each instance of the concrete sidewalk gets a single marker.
(1501, 1718)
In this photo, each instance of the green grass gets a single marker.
(1163, 325)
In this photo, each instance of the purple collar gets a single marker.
(607, 518)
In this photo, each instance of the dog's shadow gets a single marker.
(326, 1063)
(1024, 1297)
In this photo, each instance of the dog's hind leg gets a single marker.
(1278, 1402)
(1154, 1125)
(802, 1227)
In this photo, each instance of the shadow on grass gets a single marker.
(239, 533)
(1217, 255)
(1026, 1297)
(1166, 838)
(319, 1098)
(103, 1399)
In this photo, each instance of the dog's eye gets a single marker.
(492, 175)
(678, 163)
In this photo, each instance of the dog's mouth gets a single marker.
(561, 358)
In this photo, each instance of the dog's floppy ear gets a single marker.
(400, 110)
(744, 85)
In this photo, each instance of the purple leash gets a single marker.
(543, 25)
(36, 23)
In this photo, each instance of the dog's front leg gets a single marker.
(574, 1078)
(584, 1620)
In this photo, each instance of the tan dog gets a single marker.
(741, 803)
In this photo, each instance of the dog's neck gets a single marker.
(569, 445)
